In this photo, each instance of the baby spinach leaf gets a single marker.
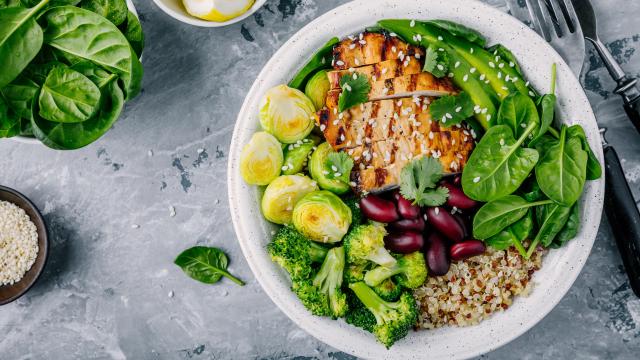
(518, 111)
(19, 95)
(67, 96)
(436, 62)
(452, 109)
(133, 32)
(570, 229)
(320, 60)
(97, 75)
(114, 10)
(9, 3)
(530, 190)
(460, 31)
(20, 40)
(496, 215)
(9, 122)
(205, 264)
(547, 108)
(498, 165)
(513, 235)
(561, 172)
(102, 43)
(69, 136)
(594, 170)
(550, 218)
(355, 90)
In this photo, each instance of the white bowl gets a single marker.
(176, 10)
(560, 267)
(32, 140)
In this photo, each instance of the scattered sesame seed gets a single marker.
(172, 211)
(340, 63)
(436, 210)
(412, 23)
(476, 179)
(170, 294)
(491, 64)
(501, 142)
(511, 64)
(440, 67)
(323, 127)
(471, 50)
(457, 64)
(465, 77)
(472, 70)
(440, 38)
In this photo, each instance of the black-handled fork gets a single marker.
(565, 27)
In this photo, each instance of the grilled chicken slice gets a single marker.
(380, 71)
(421, 84)
(371, 48)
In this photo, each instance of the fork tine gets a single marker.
(563, 21)
(565, 5)
(538, 19)
(551, 12)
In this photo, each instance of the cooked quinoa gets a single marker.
(475, 288)
(18, 243)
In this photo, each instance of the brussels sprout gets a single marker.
(319, 174)
(261, 159)
(296, 156)
(317, 88)
(322, 216)
(287, 113)
(282, 194)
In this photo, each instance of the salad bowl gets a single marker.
(560, 267)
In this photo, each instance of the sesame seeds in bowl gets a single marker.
(23, 244)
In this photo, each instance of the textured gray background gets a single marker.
(104, 293)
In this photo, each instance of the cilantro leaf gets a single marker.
(436, 62)
(355, 90)
(338, 166)
(419, 180)
(452, 109)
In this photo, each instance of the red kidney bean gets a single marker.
(409, 224)
(458, 199)
(405, 208)
(445, 223)
(436, 255)
(467, 249)
(465, 222)
(378, 209)
(404, 242)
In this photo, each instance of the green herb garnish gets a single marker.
(355, 90)
(419, 180)
(338, 166)
(436, 62)
(452, 109)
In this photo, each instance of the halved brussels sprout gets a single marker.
(317, 88)
(319, 173)
(261, 159)
(287, 113)
(283, 194)
(322, 216)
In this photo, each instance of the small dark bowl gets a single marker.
(8, 293)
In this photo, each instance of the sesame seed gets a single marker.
(323, 127)
(523, 125)
(440, 67)
(482, 76)
(531, 93)
(450, 75)
(340, 63)
(449, 116)
(347, 87)
(394, 49)
(457, 64)
(472, 70)
(491, 64)
(511, 64)
(476, 179)
(501, 65)
(172, 211)
(499, 74)
(440, 49)
(412, 23)
(440, 38)
(488, 117)
(501, 142)
(393, 34)
(418, 56)
(471, 50)
(465, 77)
(436, 210)
(352, 46)
(355, 76)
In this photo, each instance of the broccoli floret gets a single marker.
(410, 271)
(388, 290)
(356, 214)
(295, 253)
(366, 243)
(358, 314)
(355, 272)
(323, 295)
(393, 319)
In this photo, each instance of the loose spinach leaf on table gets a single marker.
(594, 170)
(513, 235)
(518, 111)
(436, 62)
(20, 40)
(69, 136)
(561, 172)
(67, 96)
(205, 264)
(570, 229)
(113, 10)
(355, 91)
(496, 215)
(498, 165)
(102, 43)
(459, 30)
(450, 110)
(320, 60)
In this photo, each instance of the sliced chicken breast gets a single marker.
(371, 48)
(380, 71)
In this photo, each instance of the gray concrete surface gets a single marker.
(105, 291)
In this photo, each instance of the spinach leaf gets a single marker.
(550, 218)
(20, 94)
(518, 111)
(38, 72)
(561, 172)
(513, 235)
(69, 136)
(452, 109)
(97, 75)
(320, 60)
(9, 3)
(530, 190)
(460, 31)
(20, 40)
(496, 215)
(89, 36)
(594, 170)
(113, 10)
(547, 108)
(9, 122)
(498, 165)
(133, 32)
(570, 229)
(205, 264)
(67, 96)
(436, 62)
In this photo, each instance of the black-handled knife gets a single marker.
(626, 85)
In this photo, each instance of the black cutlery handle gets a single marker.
(633, 111)
(623, 216)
